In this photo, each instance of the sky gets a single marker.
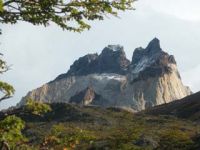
(38, 55)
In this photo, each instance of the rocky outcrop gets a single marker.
(111, 80)
(88, 97)
(111, 60)
(151, 62)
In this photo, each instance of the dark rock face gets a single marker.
(153, 49)
(137, 55)
(83, 66)
(111, 60)
(85, 97)
(154, 46)
(151, 61)
(154, 52)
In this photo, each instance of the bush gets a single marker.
(10, 130)
(174, 139)
(68, 137)
(36, 107)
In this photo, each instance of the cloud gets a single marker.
(191, 78)
(182, 9)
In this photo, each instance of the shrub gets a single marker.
(174, 139)
(10, 130)
(68, 137)
(36, 107)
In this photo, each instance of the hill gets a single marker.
(74, 127)
(188, 108)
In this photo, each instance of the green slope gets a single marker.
(188, 108)
(93, 128)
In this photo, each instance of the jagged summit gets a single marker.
(151, 62)
(152, 50)
(111, 60)
(115, 47)
(109, 79)
(154, 46)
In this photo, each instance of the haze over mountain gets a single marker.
(111, 80)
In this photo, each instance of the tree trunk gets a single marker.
(4, 146)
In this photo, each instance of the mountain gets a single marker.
(187, 108)
(111, 80)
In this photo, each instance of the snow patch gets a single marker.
(106, 76)
(143, 63)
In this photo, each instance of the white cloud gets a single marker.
(191, 78)
(183, 9)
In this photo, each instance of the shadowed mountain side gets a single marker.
(188, 107)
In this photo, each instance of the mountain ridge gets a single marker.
(150, 78)
(187, 108)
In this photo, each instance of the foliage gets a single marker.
(10, 130)
(6, 89)
(70, 15)
(175, 139)
(67, 136)
(74, 127)
(36, 107)
(196, 140)
(1, 6)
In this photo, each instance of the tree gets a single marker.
(10, 131)
(6, 89)
(36, 107)
(68, 14)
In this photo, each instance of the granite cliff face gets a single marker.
(111, 80)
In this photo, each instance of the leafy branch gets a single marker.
(68, 14)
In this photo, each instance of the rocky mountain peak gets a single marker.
(111, 80)
(151, 61)
(154, 46)
(111, 60)
(154, 53)
(115, 47)
(153, 49)
(114, 50)
(84, 65)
